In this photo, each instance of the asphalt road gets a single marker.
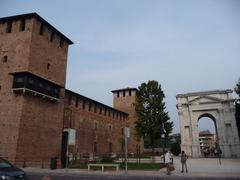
(110, 177)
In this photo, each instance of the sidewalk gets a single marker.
(229, 168)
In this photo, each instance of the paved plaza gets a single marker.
(208, 167)
(198, 168)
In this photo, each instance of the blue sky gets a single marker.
(185, 45)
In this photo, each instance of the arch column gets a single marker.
(196, 145)
(185, 129)
(222, 140)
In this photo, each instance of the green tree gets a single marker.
(237, 105)
(237, 87)
(152, 119)
(175, 148)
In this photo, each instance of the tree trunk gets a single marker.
(152, 145)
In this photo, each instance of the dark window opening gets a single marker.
(0, 87)
(69, 99)
(110, 128)
(123, 93)
(122, 146)
(105, 111)
(5, 59)
(110, 147)
(113, 115)
(100, 111)
(109, 113)
(55, 90)
(117, 94)
(83, 105)
(95, 147)
(130, 93)
(95, 125)
(89, 107)
(40, 85)
(95, 108)
(61, 43)
(41, 29)
(52, 36)
(76, 103)
(9, 27)
(48, 66)
(22, 25)
(122, 131)
(31, 82)
(48, 88)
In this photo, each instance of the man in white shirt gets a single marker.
(168, 161)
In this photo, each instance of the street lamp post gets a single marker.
(126, 136)
(164, 141)
(163, 136)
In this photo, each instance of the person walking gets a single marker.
(168, 162)
(184, 161)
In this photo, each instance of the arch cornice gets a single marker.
(226, 91)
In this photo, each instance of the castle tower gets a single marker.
(124, 100)
(33, 61)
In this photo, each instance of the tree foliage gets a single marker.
(175, 148)
(237, 87)
(152, 120)
(237, 105)
(159, 142)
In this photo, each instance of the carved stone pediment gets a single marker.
(205, 100)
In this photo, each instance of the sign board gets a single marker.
(127, 132)
(71, 136)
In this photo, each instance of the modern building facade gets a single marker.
(36, 111)
(207, 140)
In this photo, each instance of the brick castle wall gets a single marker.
(14, 52)
(31, 126)
(94, 122)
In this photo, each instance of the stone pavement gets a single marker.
(197, 168)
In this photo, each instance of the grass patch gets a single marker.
(143, 166)
(78, 166)
(131, 166)
(141, 156)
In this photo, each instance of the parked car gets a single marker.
(10, 172)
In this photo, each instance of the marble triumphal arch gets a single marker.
(217, 105)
